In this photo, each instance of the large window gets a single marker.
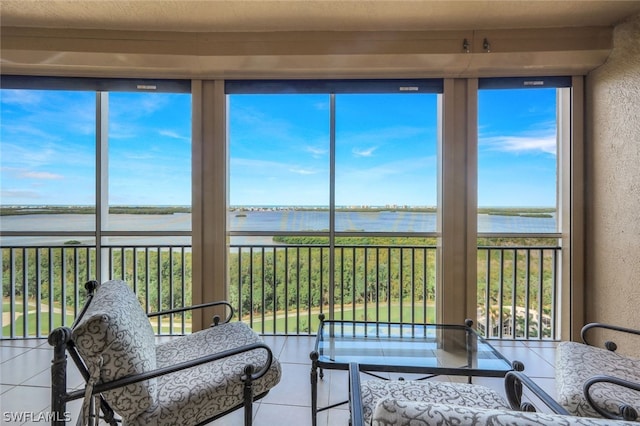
(48, 147)
(518, 155)
(279, 162)
(86, 155)
(344, 160)
(149, 158)
(354, 198)
(519, 205)
(386, 162)
(96, 184)
(333, 200)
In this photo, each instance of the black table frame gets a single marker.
(317, 364)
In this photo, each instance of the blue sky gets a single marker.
(517, 152)
(48, 148)
(386, 149)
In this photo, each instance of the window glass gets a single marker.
(386, 162)
(47, 160)
(279, 162)
(149, 161)
(517, 160)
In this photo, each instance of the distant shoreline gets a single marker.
(167, 210)
(24, 210)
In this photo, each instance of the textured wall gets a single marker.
(613, 183)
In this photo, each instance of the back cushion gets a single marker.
(116, 332)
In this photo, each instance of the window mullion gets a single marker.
(102, 181)
(332, 200)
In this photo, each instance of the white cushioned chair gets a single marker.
(424, 403)
(374, 391)
(413, 413)
(593, 381)
(188, 380)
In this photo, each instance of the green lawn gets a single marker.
(31, 320)
(347, 314)
(305, 319)
(57, 321)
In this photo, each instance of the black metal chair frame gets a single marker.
(514, 381)
(627, 412)
(62, 342)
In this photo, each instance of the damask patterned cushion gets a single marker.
(427, 391)
(191, 396)
(577, 362)
(115, 336)
(411, 413)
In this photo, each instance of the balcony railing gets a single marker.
(517, 292)
(43, 287)
(281, 289)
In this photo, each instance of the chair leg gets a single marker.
(107, 413)
(59, 339)
(248, 395)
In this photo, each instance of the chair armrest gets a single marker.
(355, 396)
(608, 344)
(216, 319)
(90, 286)
(627, 412)
(513, 382)
(249, 373)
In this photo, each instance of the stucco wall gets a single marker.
(613, 183)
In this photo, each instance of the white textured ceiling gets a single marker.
(314, 15)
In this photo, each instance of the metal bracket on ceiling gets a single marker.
(486, 46)
(466, 46)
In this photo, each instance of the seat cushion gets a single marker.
(374, 391)
(191, 396)
(577, 362)
(115, 336)
(411, 413)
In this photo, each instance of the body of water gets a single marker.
(259, 220)
(382, 221)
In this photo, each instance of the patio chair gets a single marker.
(593, 381)
(425, 403)
(188, 380)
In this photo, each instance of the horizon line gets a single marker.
(351, 206)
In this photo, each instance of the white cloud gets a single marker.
(174, 135)
(301, 171)
(20, 97)
(270, 168)
(317, 152)
(42, 175)
(256, 164)
(21, 132)
(19, 194)
(402, 167)
(364, 152)
(542, 143)
(321, 106)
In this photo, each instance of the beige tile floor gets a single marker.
(25, 380)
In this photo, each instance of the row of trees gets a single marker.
(516, 278)
(298, 278)
(54, 278)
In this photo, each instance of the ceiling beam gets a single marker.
(334, 54)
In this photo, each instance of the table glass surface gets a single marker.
(407, 345)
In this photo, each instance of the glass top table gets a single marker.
(410, 348)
